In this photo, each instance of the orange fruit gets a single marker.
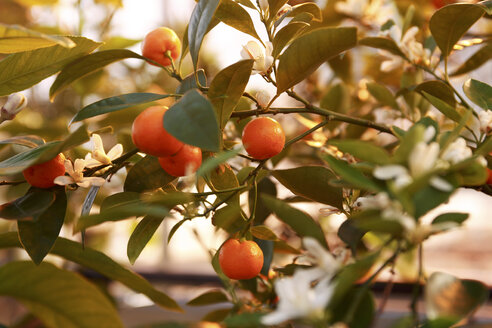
(187, 160)
(263, 138)
(149, 135)
(240, 259)
(42, 175)
(489, 178)
(157, 42)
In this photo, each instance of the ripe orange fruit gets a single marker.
(263, 138)
(240, 259)
(149, 135)
(157, 42)
(187, 160)
(42, 175)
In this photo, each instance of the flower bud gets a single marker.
(15, 103)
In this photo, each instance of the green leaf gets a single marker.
(43, 153)
(121, 212)
(29, 206)
(451, 22)
(116, 103)
(15, 38)
(382, 43)
(199, 22)
(351, 174)
(486, 5)
(141, 236)
(38, 237)
(482, 56)
(211, 297)
(363, 150)
(298, 220)
(189, 82)
(311, 50)
(263, 232)
(382, 94)
(31, 141)
(336, 99)
(99, 262)
(223, 177)
(227, 88)
(244, 320)
(308, 7)
(118, 42)
(286, 35)
(438, 89)
(147, 174)
(442, 292)
(479, 92)
(59, 298)
(86, 65)
(216, 315)
(192, 120)
(229, 218)
(212, 162)
(451, 217)
(311, 182)
(22, 70)
(443, 107)
(232, 14)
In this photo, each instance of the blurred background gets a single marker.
(182, 266)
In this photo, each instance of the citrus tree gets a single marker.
(388, 137)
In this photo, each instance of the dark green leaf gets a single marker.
(443, 107)
(211, 297)
(189, 82)
(438, 89)
(15, 38)
(442, 292)
(28, 207)
(99, 262)
(351, 174)
(229, 218)
(311, 50)
(479, 92)
(59, 298)
(216, 315)
(382, 94)
(363, 150)
(227, 88)
(192, 120)
(232, 14)
(428, 198)
(311, 182)
(113, 104)
(298, 220)
(451, 22)
(147, 174)
(141, 236)
(382, 43)
(286, 35)
(38, 237)
(244, 320)
(23, 70)
(451, 217)
(199, 22)
(482, 56)
(350, 234)
(88, 64)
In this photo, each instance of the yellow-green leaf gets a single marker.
(15, 38)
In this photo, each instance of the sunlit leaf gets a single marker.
(438, 89)
(311, 50)
(192, 120)
(227, 88)
(274, 6)
(311, 182)
(363, 150)
(15, 38)
(199, 22)
(59, 298)
(99, 262)
(308, 7)
(116, 103)
(286, 35)
(263, 232)
(232, 14)
(351, 174)
(382, 43)
(298, 220)
(443, 107)
(479, 92)
(31, 141)
(86, 65)
(142, 234)
(480, 57)
(22, 70)
(451, 22)
(37, 237)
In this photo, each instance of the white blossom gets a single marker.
(457, 151)
(15, 103)
(76, 175)
(299, 299)
(485, 118)
(263, 98)
(398, 173)
(325, 264)
(98, 156)
(423, 158)
(262, 56)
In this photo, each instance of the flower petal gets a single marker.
(115, 152)
(63, 180)
(389, 171)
